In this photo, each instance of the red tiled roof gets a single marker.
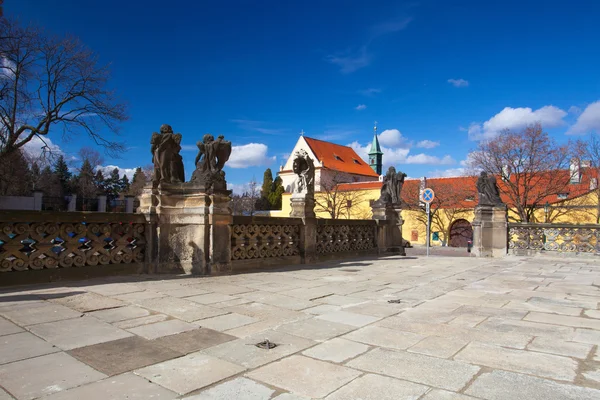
(467, 186)
(339, 158)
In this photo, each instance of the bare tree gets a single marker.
(50, 84)
(451, 202)
(531, 165)
(245, 203)
(340, 201)
(92, 155)
(590, 151)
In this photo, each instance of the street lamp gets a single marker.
(546, 208)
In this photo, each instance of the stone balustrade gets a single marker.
(560, 238)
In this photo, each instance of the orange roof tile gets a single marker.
(339, 158)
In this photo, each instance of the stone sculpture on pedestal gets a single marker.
(490, 225)
(303, 188)
(387, 209)
(487, 187)
(212, 156)
(168, 164)
(391, 188)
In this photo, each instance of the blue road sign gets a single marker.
(427, 196)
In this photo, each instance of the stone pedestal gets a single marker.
(190, 230)
(38, 198)
(303, 205)
(72, 206)
(490, 231)
(101, 203)
(389, 229)
(129, 203)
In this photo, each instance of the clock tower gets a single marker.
(375, 154)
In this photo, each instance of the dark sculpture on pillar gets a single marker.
(387, 212)
(391, 188)
(168, 163)
(487, 188)
(304, 167)
(211, 158)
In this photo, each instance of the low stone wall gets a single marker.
(529, 239)
(259, 242)
(40, 245)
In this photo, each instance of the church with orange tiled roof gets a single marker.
(335, 163)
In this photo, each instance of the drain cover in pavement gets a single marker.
(395, 301)
(266, 345)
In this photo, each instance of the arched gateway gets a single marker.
(460, 233)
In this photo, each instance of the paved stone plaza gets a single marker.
(457, 329)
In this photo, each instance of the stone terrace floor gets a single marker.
(458, 329)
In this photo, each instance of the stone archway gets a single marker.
(460, 233)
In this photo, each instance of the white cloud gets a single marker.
(516, 118)
(370, 92)
(427, 159)
(398, 155)
(445, 173)
(7, 68)
(574, 110)
(37, 148)
(427, 144)
(390, 27)
(588, 121)
(458, 82)
(360, 107)
(351, 61)
(250, 155)
(392, 138)
(108, 169)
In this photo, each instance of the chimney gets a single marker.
(575, 170)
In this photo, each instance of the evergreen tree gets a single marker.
(124, 184)
(85, 185)
(276, 194)
(100, 181)
(138, 182)
(263, 202)
(61, 169)
(113, 184)
(49, 183)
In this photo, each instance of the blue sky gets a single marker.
(436, 75)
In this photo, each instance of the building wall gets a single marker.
(582, 210)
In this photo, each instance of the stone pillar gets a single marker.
(190, 230)
(303, 206)
(490, 231)
(129, 204)
(389, 229)
(220, 220)
(38, 198)
(101, 203)
(72, 203)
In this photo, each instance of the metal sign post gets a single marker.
(428, 225)
(427, 197)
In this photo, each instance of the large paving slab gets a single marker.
(21, 346)
(86, 302)
(118, 356)
(164, 328)
(38, 313)
(78, 332)
(445, 374)
(120, 313)
(377, 387)
(305, 376)
(183, 309)
(8, 328)
(315, 329)
(192, 341)
(336, 350)
(126, 387)
(244, 352)
(504, 385)
(238, 389)
(384, 337)
(528, 362)
(36, 377)
(192, 372)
